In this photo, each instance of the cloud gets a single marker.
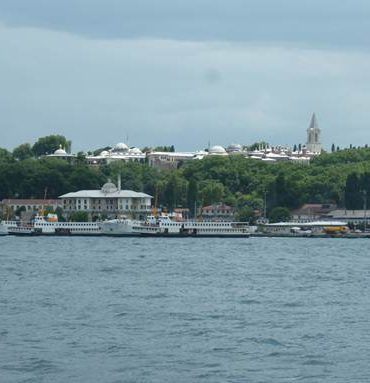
(97, 91)
(330, 23)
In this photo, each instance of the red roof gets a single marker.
(218, 207)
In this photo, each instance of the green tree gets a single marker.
(59, 212)
(280, 214)
(257, 145)
(23, 152)
(353, 196)
(79, 216)
(5, 156)
(170, 148)
(192, 198)
(211, 192)
(49, 144)
(20, 210)
(96, 152)
(246, 214)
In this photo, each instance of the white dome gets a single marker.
(234, 148)
(217, 149)
(60, 152)
(121, 147)
(135, 151)
(104, 153)
(109, 187)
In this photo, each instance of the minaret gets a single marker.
(313, 136)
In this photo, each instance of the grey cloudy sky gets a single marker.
(184, 72)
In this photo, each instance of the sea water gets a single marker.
(184, 310)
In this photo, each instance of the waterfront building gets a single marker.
(313, 211)
(218, 212)
(110, 200)
(27, 207)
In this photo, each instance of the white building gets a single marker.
(120, 152)
(62, 154)
(110, 200)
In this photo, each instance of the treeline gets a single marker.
(341, 177)
(44, 145)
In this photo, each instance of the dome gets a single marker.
(109, 187)
(135, 151)
(104, 153)
(60, 152)
(234, 148)
(120, 147)
(218, 150)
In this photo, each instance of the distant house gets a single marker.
(311, 212)
(218, 212)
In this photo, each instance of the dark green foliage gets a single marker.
(280, 214)
(23, 152)
(79, 216)
(357, 191)
(30, 178)
(5, 156)
(257, 145)
(98, 151)
(170, 148)
(340, 177)
(192, 197)
(49, 144)
(246, 214)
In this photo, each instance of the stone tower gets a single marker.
(313, 136)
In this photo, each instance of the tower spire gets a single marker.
(313, 136)
(314, 124)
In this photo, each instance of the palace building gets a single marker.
(110, 200)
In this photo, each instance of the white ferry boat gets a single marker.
(50, 225)
(5, 225)
(164, 226)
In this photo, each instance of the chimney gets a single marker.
(119, 182)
